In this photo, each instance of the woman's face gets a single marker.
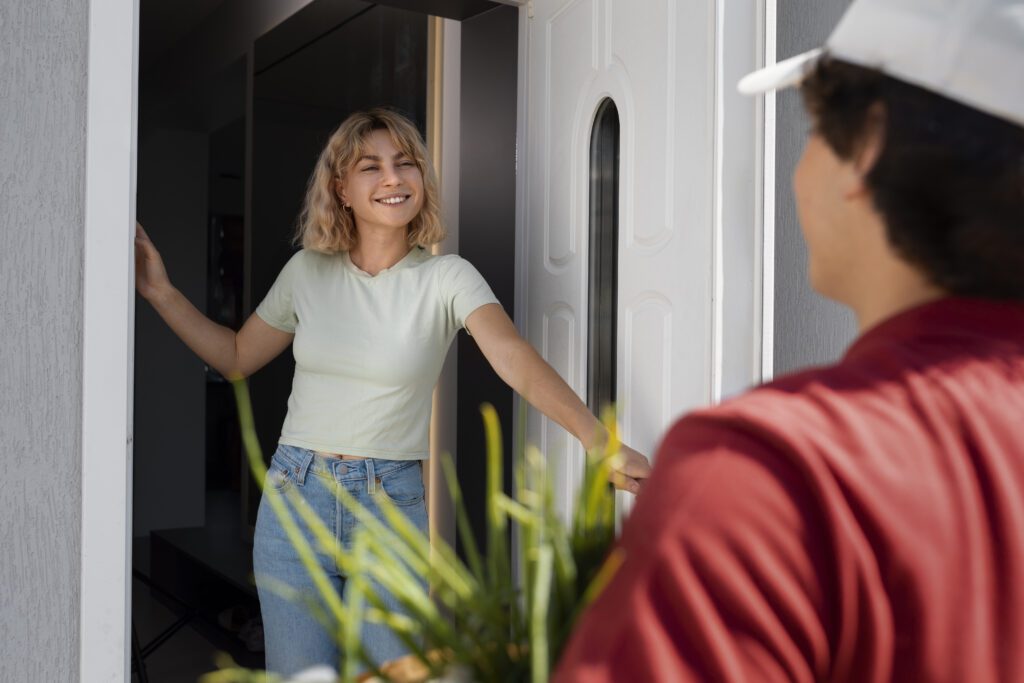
(384, 187)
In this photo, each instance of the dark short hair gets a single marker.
(949, 182)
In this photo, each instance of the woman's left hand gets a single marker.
(526, 372)
(629, 470)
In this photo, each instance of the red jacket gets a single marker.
(861, 522)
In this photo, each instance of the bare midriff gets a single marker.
(341, 456)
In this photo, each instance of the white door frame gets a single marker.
(107, 343)
(766, 200)
(744, 196)
(109, 325)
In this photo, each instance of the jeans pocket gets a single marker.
(279, 477)
(403, 486)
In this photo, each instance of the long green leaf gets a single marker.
(497, 540)
(462, 519)
(539, 658)
(301, 546)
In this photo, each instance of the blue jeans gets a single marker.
(294, 638)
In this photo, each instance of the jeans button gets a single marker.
(342, 469)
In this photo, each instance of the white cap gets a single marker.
(971, 51)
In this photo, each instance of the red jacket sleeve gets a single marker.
(721, 579)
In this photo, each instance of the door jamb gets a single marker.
(107, 340)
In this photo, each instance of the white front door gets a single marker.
(661, 62)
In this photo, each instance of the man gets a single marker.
(864, 521)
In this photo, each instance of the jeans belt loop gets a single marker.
(303, 467)
(371, 477)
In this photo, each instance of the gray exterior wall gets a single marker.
(809, 329)
(43, 56)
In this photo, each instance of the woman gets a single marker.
(372, 314)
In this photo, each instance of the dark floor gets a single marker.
(199, 572)
(184, 657)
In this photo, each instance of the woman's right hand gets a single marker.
(150, 275)
(231, 354)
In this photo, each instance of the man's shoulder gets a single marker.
(803, 419)
(792, 402)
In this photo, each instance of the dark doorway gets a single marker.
(309, 74)
(237, 97)
(225, 154)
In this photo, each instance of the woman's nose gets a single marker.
(390, 175)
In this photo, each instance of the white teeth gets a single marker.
(392, 200)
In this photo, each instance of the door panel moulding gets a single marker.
(108, 324)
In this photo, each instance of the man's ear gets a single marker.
(869, 147)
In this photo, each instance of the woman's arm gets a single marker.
(523, 369)
(232, 354)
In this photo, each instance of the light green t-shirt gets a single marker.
(369, 349)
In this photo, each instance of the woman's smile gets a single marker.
(383, 176)
(393, 199)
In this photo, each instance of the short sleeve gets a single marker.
(463, 289)
(277, 308)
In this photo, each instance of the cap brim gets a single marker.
(784, 74)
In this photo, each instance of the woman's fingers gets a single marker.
(142, 239)
(145, 245)
(633, 464)
(629, 469)
(624, 483)
(150, 275)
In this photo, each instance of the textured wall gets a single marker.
(43, 53)
(809, 329)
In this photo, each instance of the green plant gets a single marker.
(473, 615)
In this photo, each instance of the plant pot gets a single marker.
(409, 669)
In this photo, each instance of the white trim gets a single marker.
(718, 220)
(768, 203)
(108, 324)
(742, 266)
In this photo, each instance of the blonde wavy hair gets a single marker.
(323, 224)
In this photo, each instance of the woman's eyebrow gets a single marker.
(374, 157)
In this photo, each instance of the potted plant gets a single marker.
(474, 619)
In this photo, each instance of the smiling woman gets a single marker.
(374, 159)
(372, 314)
